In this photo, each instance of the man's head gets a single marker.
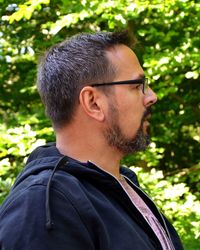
(68, 79)
(68, 66)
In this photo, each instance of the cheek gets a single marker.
(131, 120)
(131, 111)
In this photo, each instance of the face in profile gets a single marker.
(127, 126)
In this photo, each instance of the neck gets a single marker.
(86, 146)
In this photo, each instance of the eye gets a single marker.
(138, 86)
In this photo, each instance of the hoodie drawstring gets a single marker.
(49, 222)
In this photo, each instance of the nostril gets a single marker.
(150, 100)
(150, 103)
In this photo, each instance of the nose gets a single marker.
(150, 98)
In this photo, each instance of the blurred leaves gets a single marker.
(175, 201)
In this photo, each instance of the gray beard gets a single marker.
(115, 137)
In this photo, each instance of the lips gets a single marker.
(147, 117)
(147, 114)
(146, 123)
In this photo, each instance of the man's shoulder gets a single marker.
(36, 184)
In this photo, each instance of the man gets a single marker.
(74, 194)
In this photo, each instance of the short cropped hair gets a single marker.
(72, 64)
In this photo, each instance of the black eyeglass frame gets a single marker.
(144, 81)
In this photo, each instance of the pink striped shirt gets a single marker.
(147, 214)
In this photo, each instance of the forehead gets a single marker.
(126, 63)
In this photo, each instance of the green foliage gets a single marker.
(168, 47)
(176, 202)
(15, 145)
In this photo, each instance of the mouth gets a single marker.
(147, 118)
(147, 114)
(146, 123)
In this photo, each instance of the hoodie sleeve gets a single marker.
(22, 223)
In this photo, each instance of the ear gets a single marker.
(92, 102)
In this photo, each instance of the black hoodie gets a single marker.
(60, 203)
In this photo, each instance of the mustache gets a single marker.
(147, 113)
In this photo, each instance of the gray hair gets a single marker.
(72, 64)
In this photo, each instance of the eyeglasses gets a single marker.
(143, 81)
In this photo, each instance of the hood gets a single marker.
(48, 157)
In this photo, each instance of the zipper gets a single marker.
(166, 229)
